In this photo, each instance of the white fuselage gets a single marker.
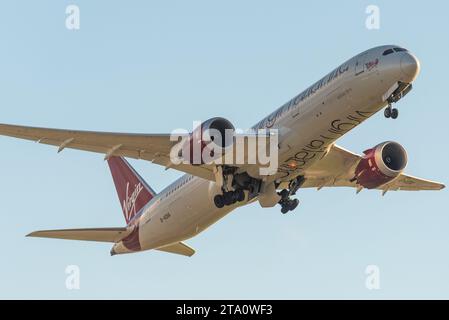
(308, 124)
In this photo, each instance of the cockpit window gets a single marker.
(390, 51)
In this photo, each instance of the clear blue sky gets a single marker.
(153, 67)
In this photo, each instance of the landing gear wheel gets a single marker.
(387, 112)
(289, 205)
(228, 198)
(286, 202)
(240, 195)
(293, 204)
(394, 113)
(219, 201)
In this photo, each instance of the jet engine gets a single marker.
(208, 141)
(380, 165)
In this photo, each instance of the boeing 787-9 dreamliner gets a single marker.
(307, 127)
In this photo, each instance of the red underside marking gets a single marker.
(131, 242)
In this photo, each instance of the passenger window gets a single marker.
(387, 52)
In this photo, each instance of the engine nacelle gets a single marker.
(380, 165)
(215, 134)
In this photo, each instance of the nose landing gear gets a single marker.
(401, 89)
(391, 112)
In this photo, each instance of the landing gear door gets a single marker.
(360, 64)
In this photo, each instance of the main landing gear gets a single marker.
(288, 204)
(229, 198)
(391, 112)
(233, 187)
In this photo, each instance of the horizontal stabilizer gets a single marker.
(178, 248)
(106, 235)
(96, 234)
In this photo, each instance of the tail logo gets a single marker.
(129, 204)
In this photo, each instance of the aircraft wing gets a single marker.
(336, 169)
(152, 147)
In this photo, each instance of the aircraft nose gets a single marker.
(410, 66)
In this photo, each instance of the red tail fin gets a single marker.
(133, 192)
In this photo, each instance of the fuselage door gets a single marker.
(360, 64)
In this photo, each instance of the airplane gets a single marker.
(308, 126)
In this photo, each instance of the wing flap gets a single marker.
(93, 234)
